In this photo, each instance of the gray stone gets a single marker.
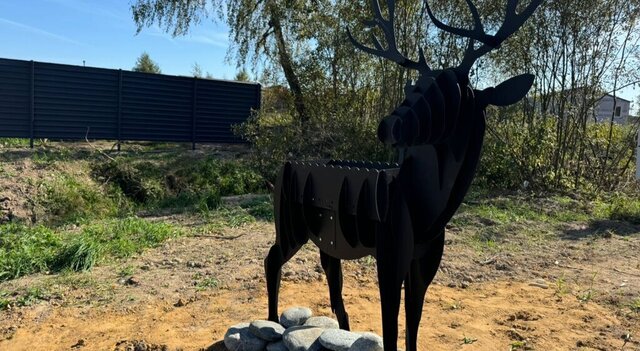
(367, 342)
(238, 338)
(266, 330)
(294, 316)
(302, 338)
(338, 339)
(277, 346)
(322, 322)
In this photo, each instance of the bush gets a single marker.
(277, 137)
(185, 182)
(129, 178)
(68, 200)
(521, 149)
(624, 208)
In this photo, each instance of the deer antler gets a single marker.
(512, 22)
(387, 27)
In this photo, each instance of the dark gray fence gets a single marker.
(45, 100)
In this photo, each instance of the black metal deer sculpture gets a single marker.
(396, 212)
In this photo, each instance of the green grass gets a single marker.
(26, 250)
(207, 284)
(120, 238)
(488, 222)
(14, 143)
(260, 208)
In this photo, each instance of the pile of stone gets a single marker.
(298, 330)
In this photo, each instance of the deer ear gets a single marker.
(511, 90)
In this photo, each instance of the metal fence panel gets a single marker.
(15, 87)
(156, 107)
(73, 102)
(45, 100)
(214, 115)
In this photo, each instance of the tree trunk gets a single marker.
(287, 66)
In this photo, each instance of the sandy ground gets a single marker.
(477, 302)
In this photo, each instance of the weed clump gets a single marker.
(129, 178)
(625, 209)
(26, 250)
(66, 199)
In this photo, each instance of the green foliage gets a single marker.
(26, 250)
(277, 137)
(182, 182)
(144, 63)
(242, 76)
(132, 178)
(68, 199)
(625, 208)
(517, 152)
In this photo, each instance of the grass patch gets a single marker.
(14, 142)
(260, 208)
(112, 239)
(26, 297)
(207, 283)
(26, 250)
(624, 208)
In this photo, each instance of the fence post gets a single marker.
(32, 110)
(119, 107)
(194, 100)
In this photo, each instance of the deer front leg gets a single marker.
(420, 276)
(394, 251)
(333, 270)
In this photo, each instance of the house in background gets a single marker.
(604, 108)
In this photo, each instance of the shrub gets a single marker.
(66, 199)
(520, 149)
(624, 208)
(276, 137)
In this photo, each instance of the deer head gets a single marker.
(506, 93)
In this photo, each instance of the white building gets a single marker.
(604, 108)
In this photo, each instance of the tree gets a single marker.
(242, 76)
(146, 64)
(196, 70)
(256, 26)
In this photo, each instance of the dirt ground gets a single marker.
(576, 292)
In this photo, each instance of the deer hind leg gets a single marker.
(420, 276)
(277, 257)
(333, 270)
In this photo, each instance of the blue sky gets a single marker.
(102, 33)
